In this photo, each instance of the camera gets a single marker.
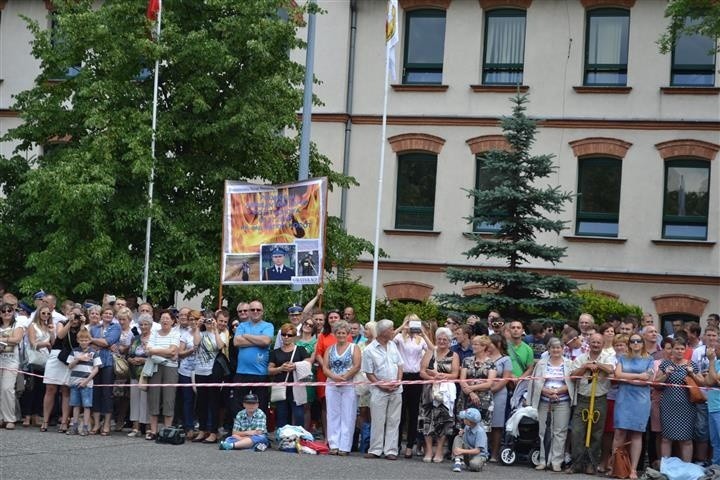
(415, 326)
(79, 316)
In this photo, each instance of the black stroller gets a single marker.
(521, 430)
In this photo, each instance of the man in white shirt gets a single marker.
(702, 431)
(382, 362)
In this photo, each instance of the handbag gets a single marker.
(221, 366)
(696, 395)
(620, 462)
(170, 436)
(121, 367)
(37, 358)
(278, 393)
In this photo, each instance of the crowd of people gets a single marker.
(89, 369)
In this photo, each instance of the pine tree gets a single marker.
(517, 205)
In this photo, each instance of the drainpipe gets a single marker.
(348, 107)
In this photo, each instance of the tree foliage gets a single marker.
(704, 16)
(228, 101)
(518, 203)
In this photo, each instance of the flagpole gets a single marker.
(381, 169)
(151, 182)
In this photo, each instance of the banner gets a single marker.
(274, 234)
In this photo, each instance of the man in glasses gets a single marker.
(495, 322)
(252, 339)
(21, 317)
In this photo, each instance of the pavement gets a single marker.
(26, 453)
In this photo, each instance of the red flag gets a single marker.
(152, 10)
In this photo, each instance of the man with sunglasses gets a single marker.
(252, 339)
(495, 323)
(11, 300)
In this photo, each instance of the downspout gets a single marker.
(348, 107)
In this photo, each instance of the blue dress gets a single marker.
(632, 404)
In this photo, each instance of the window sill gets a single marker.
(499, 88)
(683, 243)
(488, 235)
(411, 233)
(593, 239)
(594, 89)
(690, 90)
(398, 87)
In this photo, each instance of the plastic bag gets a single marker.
(676, 469)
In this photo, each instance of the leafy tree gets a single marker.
(75, 216)
(704, 16)
(519, 205)
(602, 307)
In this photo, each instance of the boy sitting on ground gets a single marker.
(470, 444)
(249, 429)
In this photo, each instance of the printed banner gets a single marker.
(274, 234)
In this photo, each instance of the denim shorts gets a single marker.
(702, 432)
(81, 397)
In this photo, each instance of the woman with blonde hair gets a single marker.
(477, 379)
(412, 343)
(11, 335)
(41, 335)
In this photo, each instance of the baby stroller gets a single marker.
(521, 430)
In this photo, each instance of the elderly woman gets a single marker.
(632, 403)
(57, 373)
(477, 378)
(677, 412)
(137, 355)
(281, 367)
(412, 345)
(341, 363)
(162, 350)
(121, 395)
(208, 344)
(435, 422)
(40, 335)
(551, 393)
(104, 336)
(11, 334)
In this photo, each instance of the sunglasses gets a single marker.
(245, 310)
(256, 310)
(287, 334)
(44, 313)
(8, 310)
(308, 324)
(635, 340)
(497, 324)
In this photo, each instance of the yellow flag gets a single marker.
(392, 36)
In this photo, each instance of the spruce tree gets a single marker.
(518, 203)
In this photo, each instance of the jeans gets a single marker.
(714, 424)
(286, 408)
(187, 396)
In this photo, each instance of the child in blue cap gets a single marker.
(470, 444)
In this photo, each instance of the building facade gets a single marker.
(635, 134)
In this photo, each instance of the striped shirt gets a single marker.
(165, 341)
(83, 368)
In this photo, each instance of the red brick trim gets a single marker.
(602, 90)
(408, 291)
(679, 303)
(400, 87)
(408, 142)
(690, 90)
(499, 88)
(408, 5)
(478, 289)
(2, 4)
(607, 3)
(490, 4)
(612, 147)
(687, 148)
(485, 143)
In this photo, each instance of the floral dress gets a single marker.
(478, 370)
(435, 418)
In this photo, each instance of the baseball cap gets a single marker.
(471, 414)
(252, 398)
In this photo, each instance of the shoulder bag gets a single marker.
(278, 393)
(694, 393)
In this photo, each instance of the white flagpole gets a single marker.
(381, 169)
(151, 182)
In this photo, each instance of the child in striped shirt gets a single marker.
(84, 364)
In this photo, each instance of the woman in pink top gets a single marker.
(412, 343)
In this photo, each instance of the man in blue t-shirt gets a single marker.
(252, 339)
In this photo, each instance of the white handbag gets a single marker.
(278, 393)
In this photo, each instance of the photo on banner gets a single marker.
(274, 234)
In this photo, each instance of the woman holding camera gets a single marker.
(11, 334)
(208, 343)
(104, 337)
(412, 344)
(57, 373)
(162, 349)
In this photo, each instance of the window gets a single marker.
(687, 198)
(424, 46)
(606, 47)
(57, 41)
(484, 181)
(693, 60)
(504, 47)
(598, 203)
(415, 204)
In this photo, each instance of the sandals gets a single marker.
(150, 436)
(212, 438)
(63, 428)
(438, 460)
(200, 437)
(43, 427)
(427, 459)
(333, 451)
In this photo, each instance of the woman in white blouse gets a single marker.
(162, 349)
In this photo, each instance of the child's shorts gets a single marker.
(256, 439)
(81, 397)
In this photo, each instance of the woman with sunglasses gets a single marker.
(308, 340)
(281, 366)
(632, 403)
(11, 334)
(677, 412)
(57, 373)
(41, 335)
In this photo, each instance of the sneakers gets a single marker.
(85, 431)
(457, 466)
(134, 433)
(225, 446)
(73, 430)
(260, 447)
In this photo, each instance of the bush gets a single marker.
(396, 310)
(602, 307)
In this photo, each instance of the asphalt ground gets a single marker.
(26, 453)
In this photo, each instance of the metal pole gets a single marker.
(151, 182)
(304, 170)
(381, 169)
